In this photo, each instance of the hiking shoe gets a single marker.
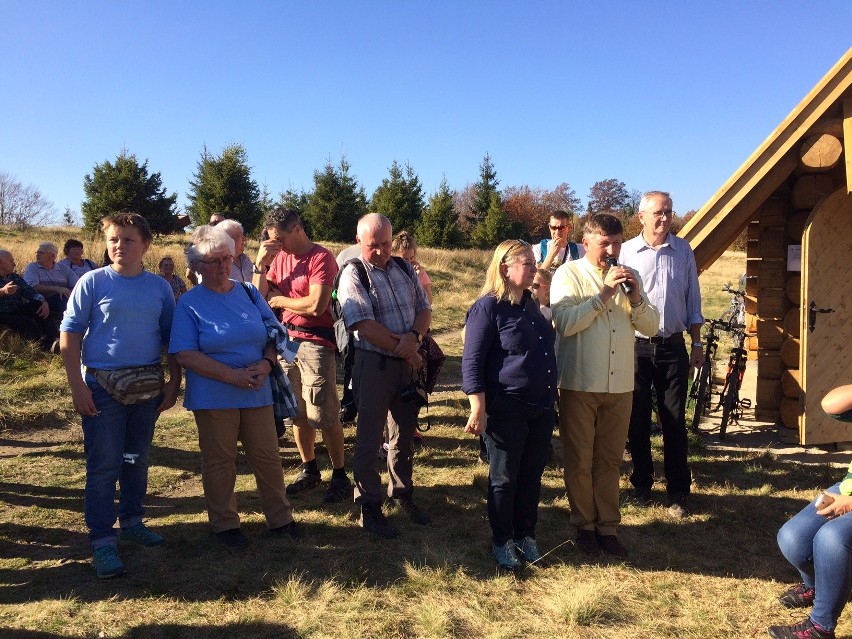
(799, 596)
(233, 538)
(373, 520)
(610, 545)
(304, 481)
(339, 489)
(294, 530)
(414, 512)
(506, 555)
(803, 630)
(528, 550)
(140, 534)
(641, 496)
(107, 563)
(348, 413)
(587, 542)
(679, 506)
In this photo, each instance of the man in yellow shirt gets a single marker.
(596, 310)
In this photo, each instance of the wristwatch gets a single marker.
(697, 345)
(417, 335)
(256, 270)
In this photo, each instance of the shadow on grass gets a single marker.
(255, 630)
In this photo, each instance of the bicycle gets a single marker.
(729, 398)
(701, 391)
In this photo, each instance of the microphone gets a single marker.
(611, 261)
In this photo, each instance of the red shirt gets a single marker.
(293, 275)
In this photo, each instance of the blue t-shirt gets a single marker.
(125, 321)
(229, 328)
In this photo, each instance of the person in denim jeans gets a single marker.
(509, 376)
(818, 542)
(107, 328)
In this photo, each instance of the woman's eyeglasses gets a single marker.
(218, 261)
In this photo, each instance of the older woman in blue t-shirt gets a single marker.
(509, 376)
(218, 335)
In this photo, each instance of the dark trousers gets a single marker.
(664, 370)
(517, 436)
(30, 325)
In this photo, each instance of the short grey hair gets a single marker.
(48, 247)
(653, 195)
(206, 240)
(230, 225)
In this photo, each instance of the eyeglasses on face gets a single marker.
(660, 214)
(218, 261)
(558, 227)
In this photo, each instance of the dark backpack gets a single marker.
(342, 336)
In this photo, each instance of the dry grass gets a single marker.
(715, 574)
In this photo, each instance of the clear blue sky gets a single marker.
(661, 95)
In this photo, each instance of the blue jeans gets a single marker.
(116, 442)
(821, 550)
(517, 436)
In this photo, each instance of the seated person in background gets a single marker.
(51, 279)
(166, 268)
(405, 246)
(23, 309)
(74, 259)
(541, 291)
(818, 542)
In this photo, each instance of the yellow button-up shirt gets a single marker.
(595, 341)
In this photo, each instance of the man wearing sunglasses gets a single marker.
(550, 254)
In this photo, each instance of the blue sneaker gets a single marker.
(107, 563)
(528, 549)
(140, 534)
(506, 555)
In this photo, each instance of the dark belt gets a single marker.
(674, 338)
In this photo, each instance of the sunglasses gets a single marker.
(558, 228)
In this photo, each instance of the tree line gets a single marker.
(480, 215)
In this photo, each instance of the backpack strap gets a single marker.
(575, 252)
(542, 249)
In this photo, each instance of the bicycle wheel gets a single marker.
(702, 396)
(730, 400)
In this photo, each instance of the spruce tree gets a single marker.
(126, 186)
(223, 184)
(438, 226)
(495, 227)
(337, 203)
(399, 198)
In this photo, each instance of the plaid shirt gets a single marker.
(394, 300)
(14, 303)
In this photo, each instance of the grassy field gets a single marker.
(715, 574)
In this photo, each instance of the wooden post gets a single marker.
(847, 138)
(819, 153)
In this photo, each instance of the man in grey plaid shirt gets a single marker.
(389, 321)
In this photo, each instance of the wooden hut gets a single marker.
(794, 195)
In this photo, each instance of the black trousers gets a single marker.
(30, 325)
(664, 370)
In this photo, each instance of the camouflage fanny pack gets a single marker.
(131, 385)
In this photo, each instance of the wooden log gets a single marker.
(810, 189)
(772, 273)
(796, 226)
(753, 266)
(772, 303)
(751, 356)
(750, 323)
(752, 251)
(753, 231)
(768, 393)
(791, 383)
(750, 304)
(788, 435)
(790, 352)
(751, 286)
(847, 136)
(773, 212)
(794, 289)
(769, 364)
(820, 153)
(773, 243)
(790, 412)
(751, 343)
(792, 325)
(770, 333)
